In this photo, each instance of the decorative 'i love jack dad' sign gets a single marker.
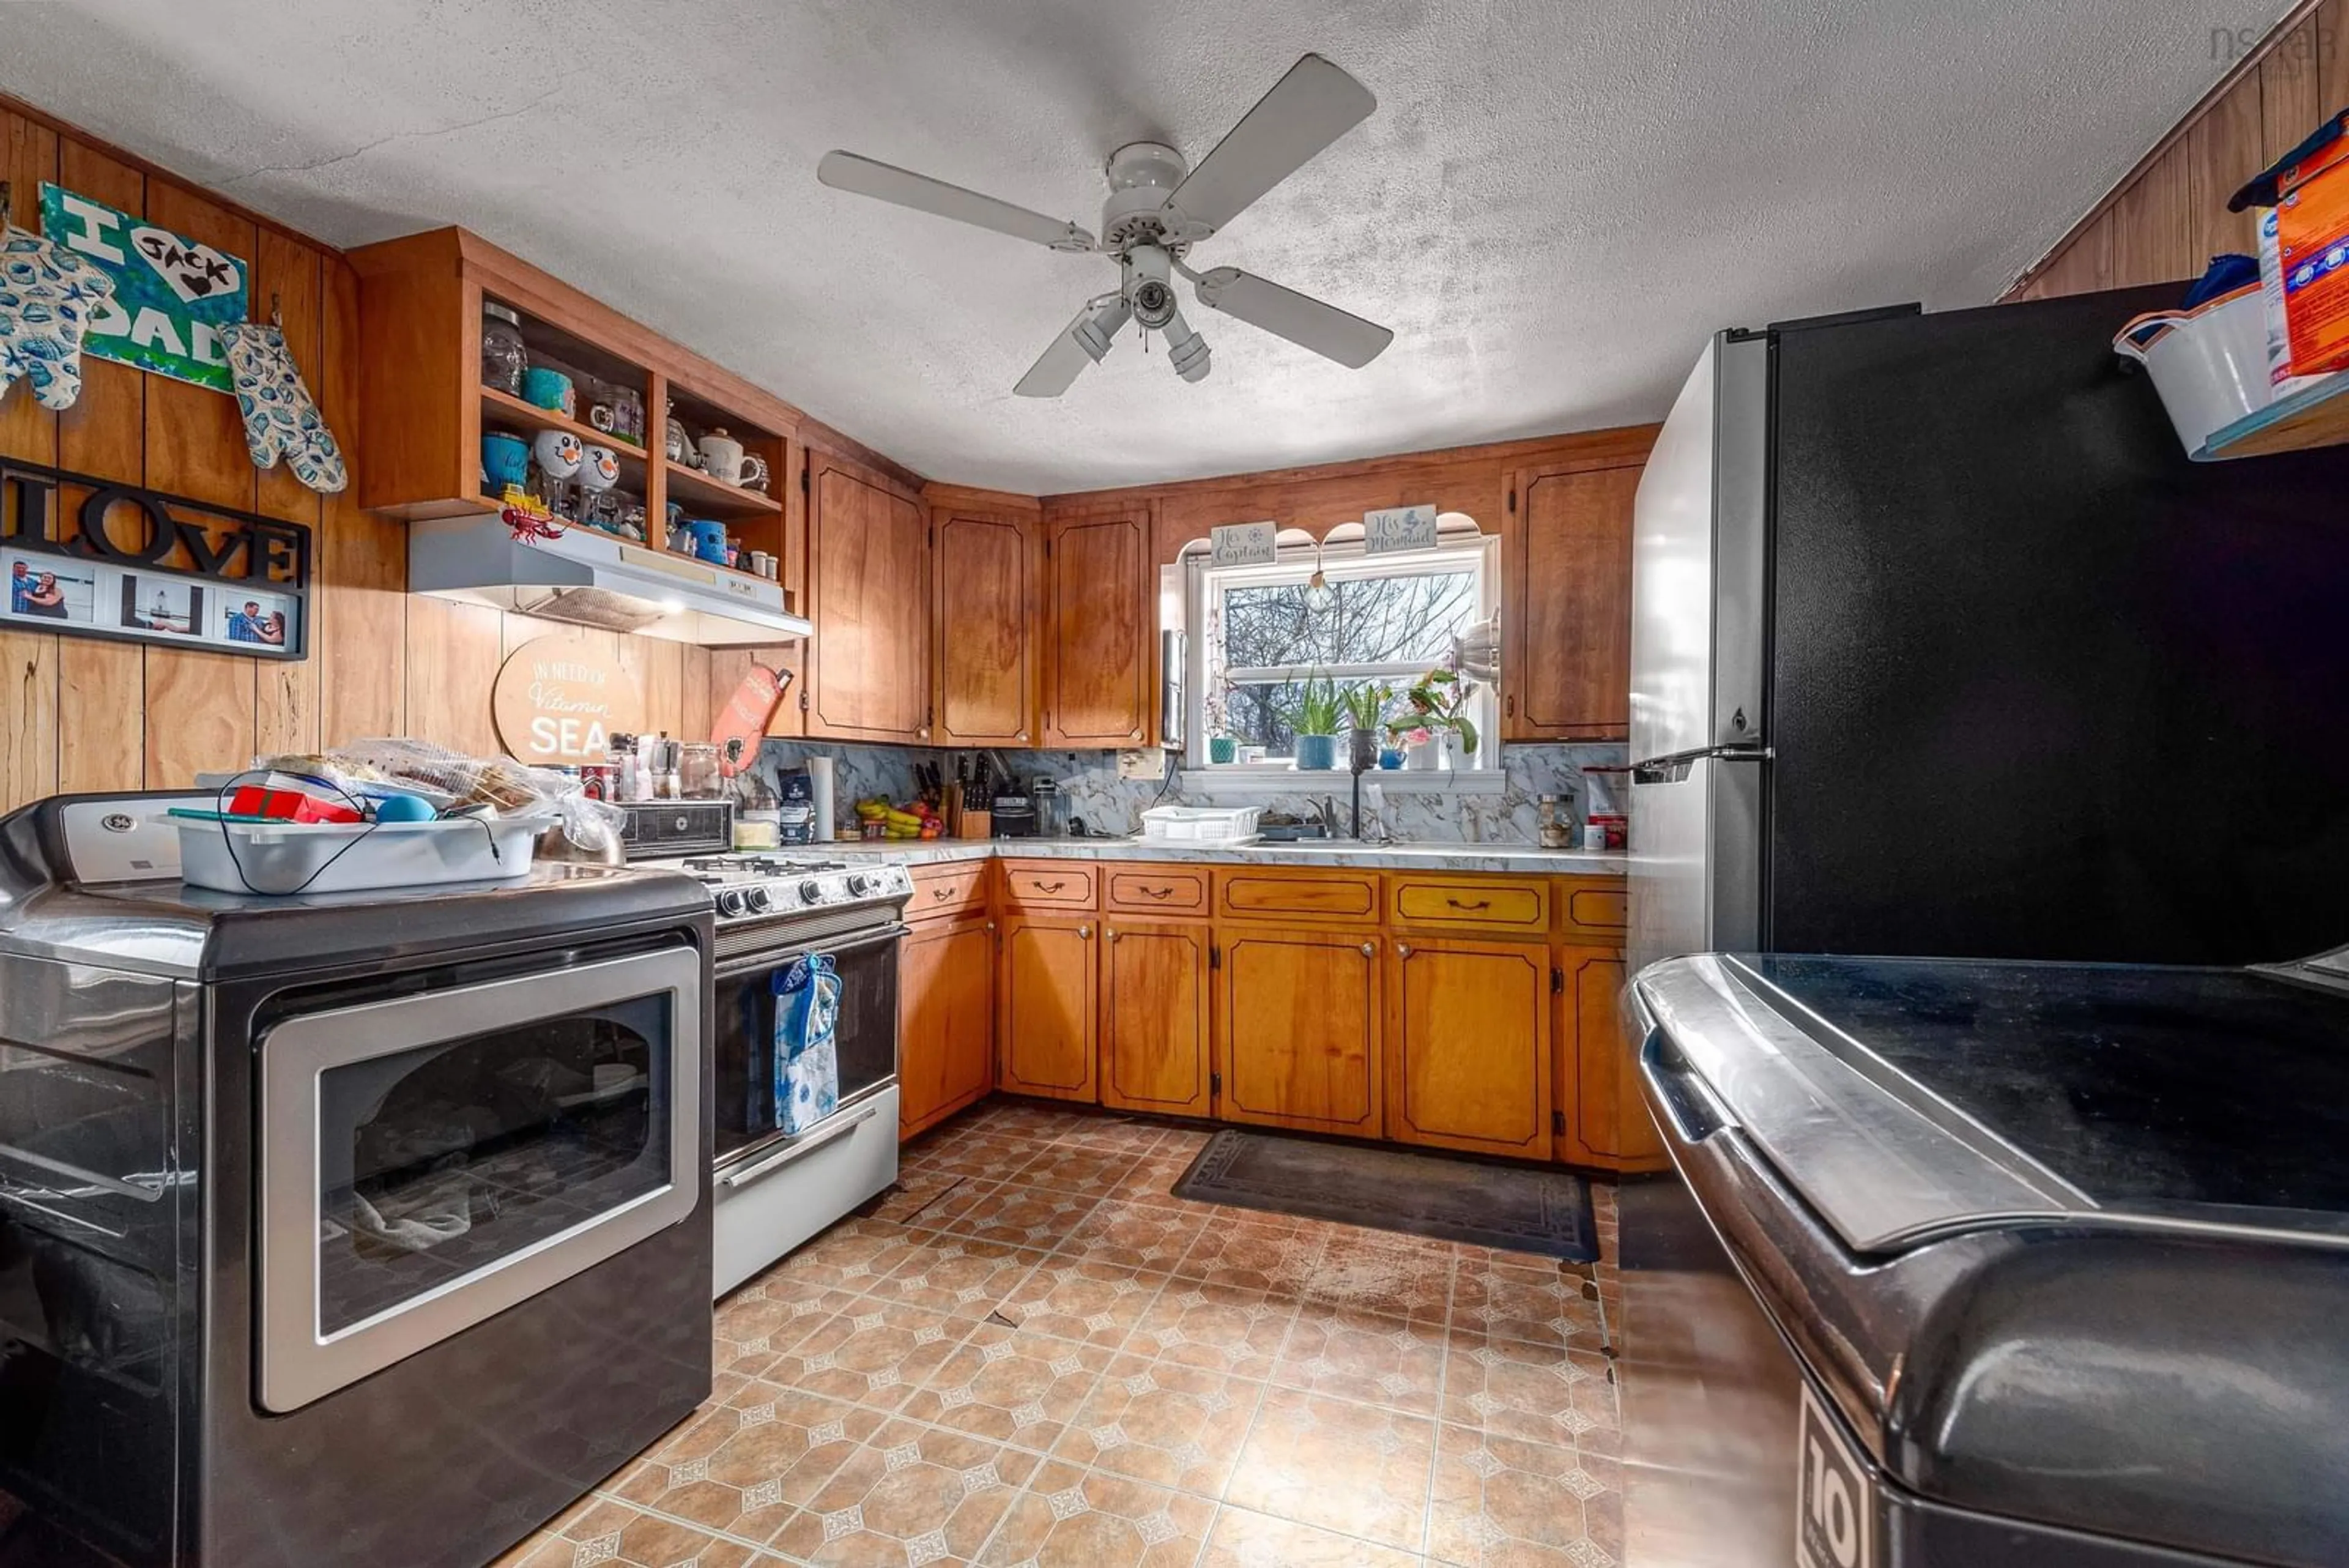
(172, 294)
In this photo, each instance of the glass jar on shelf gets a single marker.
(504, 357)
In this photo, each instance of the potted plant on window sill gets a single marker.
(1365, 709)
(1438, 717)
(1223, 746)
(1314, 718)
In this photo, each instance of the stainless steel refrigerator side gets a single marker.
(1699, 609)
(1671, 577)
(1740, 543)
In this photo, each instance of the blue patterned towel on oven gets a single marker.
(807, 1062)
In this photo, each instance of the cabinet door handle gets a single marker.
(1084, 933)
(1115, 936)
(1369, 949)
(1477, 904)
(1049, 886)
(942, 892)
(1403, 950)
(1157, 892)
(1022, 736)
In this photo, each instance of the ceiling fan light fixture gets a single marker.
(1159, 206)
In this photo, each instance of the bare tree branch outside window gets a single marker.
(1407, 621)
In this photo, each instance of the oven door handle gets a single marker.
(772, 958)
(840, 1127)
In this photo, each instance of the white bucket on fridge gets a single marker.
(2210, 364)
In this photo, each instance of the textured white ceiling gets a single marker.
(1555, 202)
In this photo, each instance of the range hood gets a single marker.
(590, 579)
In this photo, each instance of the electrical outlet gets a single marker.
(1142, 765)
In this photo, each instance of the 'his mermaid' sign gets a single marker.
(172, 294)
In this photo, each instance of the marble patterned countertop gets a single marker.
(1524, 859)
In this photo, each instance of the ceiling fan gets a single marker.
(1158, 208)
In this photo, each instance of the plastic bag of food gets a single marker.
(454, 784)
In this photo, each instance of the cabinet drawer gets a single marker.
(1472, 903)
(1594, 909)
(1154, 889)
(1281, 895)
(1050, 884)
(943, 891)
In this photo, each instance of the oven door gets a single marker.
(866, 1036)
(428, 1160)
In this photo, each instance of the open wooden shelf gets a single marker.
(2318, 416)
(503, 410)
(704, 496)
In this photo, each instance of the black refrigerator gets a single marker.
(1941, 645)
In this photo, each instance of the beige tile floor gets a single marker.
(1033, 1353)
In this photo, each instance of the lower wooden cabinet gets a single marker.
(1046, 1007)
(1609, 1125)
(1298, 1017)
(1153, 1018)
(1468, 1046)
(946, 1020)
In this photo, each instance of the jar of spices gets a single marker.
(503, 357)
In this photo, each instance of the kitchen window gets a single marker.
(1327, 612)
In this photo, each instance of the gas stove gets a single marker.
(764, 885)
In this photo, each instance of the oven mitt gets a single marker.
(48, 298)
(807, 1060)
(280, 419)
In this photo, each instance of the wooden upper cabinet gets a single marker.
(985, 571)
(1100, 632)
(1566, 582)
(868, 666)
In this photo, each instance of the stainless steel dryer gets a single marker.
(365, 1228)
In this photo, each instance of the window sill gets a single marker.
(1255, 780)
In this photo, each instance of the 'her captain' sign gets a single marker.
(172, 294)
(557, 701)
(97, 558)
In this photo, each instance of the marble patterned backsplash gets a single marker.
(1092, 789)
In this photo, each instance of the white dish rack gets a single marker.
(1206, 826)
(281, 859)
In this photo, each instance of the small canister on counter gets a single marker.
(596, 780)
(795, 809)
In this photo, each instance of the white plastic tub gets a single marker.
(1202, 824)
(2210, 364)
(340, 858)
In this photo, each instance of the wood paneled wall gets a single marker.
(87, 714)
(2170, 217)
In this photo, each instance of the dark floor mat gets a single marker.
(1521, 1210)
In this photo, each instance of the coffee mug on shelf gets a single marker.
(549, 388)
(505, 460)
(722, 457)
(599, 468)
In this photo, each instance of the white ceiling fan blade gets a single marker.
(1333, 333)
(1082, 343)
(1308, 108)
(887, 182)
